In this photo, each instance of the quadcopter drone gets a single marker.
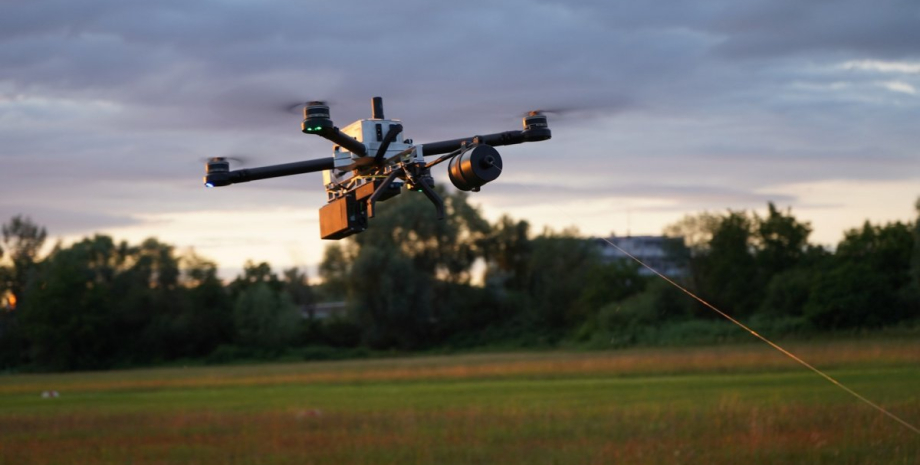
(372, 162)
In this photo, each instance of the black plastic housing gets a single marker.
(536, 128)
(316, 118)
(474, 168)
(217, 173)
(364, 192)
(377, 108)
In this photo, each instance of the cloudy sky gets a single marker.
(108, 107)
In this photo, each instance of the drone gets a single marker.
(372, 161)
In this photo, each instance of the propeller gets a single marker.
(297, 107)
(237, 160)
(550, 111)
(580, 109)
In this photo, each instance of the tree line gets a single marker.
(413, 283)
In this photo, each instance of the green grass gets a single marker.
(732, 404)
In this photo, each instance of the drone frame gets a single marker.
(352, 201)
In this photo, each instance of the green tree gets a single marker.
(394, 300)
(696, 231)
(20, 244)
(297, 285)
(206, 322)
(22, 241)
(915, 261)
(408, 274)
(265, 319)
(507, 251)
(334, 271)
(735, 257)
(868, 283)
(781, 242)
(727, 274)
(444, 249)
(99, 303)
(150, 304)
(559, 266)
(605, 283)
(787, 264)
(69, 316)
(253, 274)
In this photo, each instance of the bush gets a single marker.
(341, 332)
(326, 353)
(660, 302)
(228, 354)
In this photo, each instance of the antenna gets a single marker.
(377, 108)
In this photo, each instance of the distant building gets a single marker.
(324, 310)
(658, 252)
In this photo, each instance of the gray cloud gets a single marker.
(884, 28)
(63, 221)
(109, 106)
(686, 197)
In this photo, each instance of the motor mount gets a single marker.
(316, 117)
(536, 127)
(217, 172)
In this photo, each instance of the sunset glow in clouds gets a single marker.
(108, 108)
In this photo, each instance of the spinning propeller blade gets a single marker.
(297, 107)
(238, 160)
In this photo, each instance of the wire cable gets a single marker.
(758, 335)
(769, 342)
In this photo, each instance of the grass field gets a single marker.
(734, 404)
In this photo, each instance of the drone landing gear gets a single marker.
(433, 197)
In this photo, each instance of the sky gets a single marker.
(109, 108)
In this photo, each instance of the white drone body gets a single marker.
(353, 169)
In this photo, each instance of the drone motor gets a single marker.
(217, 172)
(536, 127)
(316, 117)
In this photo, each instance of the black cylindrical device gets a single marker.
(217, 172)
(472, 169)
(377, 108)
(536, 127)
(316, 117)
